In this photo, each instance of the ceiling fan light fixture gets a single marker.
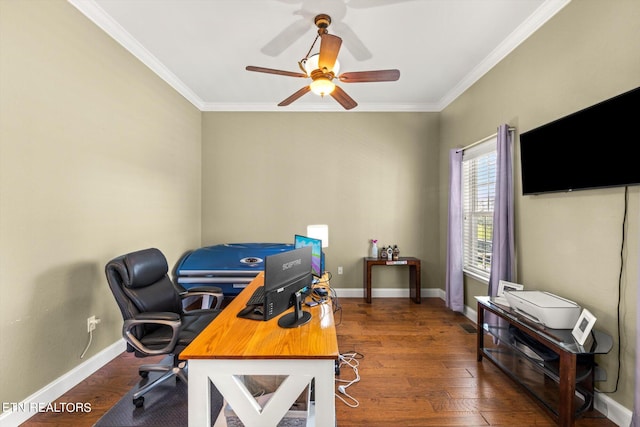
(323, 67)
(322, 86)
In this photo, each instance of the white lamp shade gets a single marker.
(312, 64)
(319, 231)
(322, 86)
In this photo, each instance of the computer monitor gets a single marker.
(317, 257)
(287, 278)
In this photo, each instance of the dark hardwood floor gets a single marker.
(418, 368)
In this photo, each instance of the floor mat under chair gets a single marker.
(165, 405)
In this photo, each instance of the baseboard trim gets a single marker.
(388, 293)
(24, 410)
(614, 411)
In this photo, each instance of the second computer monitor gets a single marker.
(317, 257)
(285, 274)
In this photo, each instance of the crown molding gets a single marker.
(545, 12)
(329, 106)
(97, 15)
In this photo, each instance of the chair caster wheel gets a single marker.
(143, 374)
(138, 402)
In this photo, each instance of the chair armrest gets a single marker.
(152, 318)
(209, 289)
(206, 292)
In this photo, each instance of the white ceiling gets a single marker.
(201, 47)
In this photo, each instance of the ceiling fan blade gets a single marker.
(295, 96)
(273, 71)
(329, 48)
(343, 99)
(370, 76)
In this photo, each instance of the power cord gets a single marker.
(326, 293)
(351, 360)
(620, 273)
(88, 345)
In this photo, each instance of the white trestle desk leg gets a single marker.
(226, 376)
(325, 408)
(199, 407)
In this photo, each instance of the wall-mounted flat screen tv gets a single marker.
(592, 148)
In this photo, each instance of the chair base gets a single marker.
(178, 372)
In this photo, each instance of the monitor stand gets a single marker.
(297, 318)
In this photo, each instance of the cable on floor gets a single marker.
(352, 360)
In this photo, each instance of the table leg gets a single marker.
(199, 389)
(325, 405)
(415, 285)
(480, 329)
(226, 375)
(566, 409)
(367, 281)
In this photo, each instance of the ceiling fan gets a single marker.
(323, 67)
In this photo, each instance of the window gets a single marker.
(478, 193)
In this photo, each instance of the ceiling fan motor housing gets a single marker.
(317, 73)
(322, 21)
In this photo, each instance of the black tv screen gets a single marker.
(591, 148)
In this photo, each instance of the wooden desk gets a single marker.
(414, 275)
(231, 346)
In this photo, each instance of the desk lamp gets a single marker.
(319, 231)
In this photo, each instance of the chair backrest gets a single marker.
(140, 283)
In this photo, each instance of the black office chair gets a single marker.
(155, 322)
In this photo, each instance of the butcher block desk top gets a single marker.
(232, 337)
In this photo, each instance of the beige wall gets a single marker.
(98, 156)
(266, 176)
(568, 244)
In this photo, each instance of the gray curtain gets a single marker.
(635, 419)
(454, 287)
(503, 247)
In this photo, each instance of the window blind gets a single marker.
(479, 183)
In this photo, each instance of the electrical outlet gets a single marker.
(340, 270)
(92, 322)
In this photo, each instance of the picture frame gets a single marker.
(583, 326)
(504, 286)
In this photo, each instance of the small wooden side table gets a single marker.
(414, 275)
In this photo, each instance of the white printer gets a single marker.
(546, 308)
